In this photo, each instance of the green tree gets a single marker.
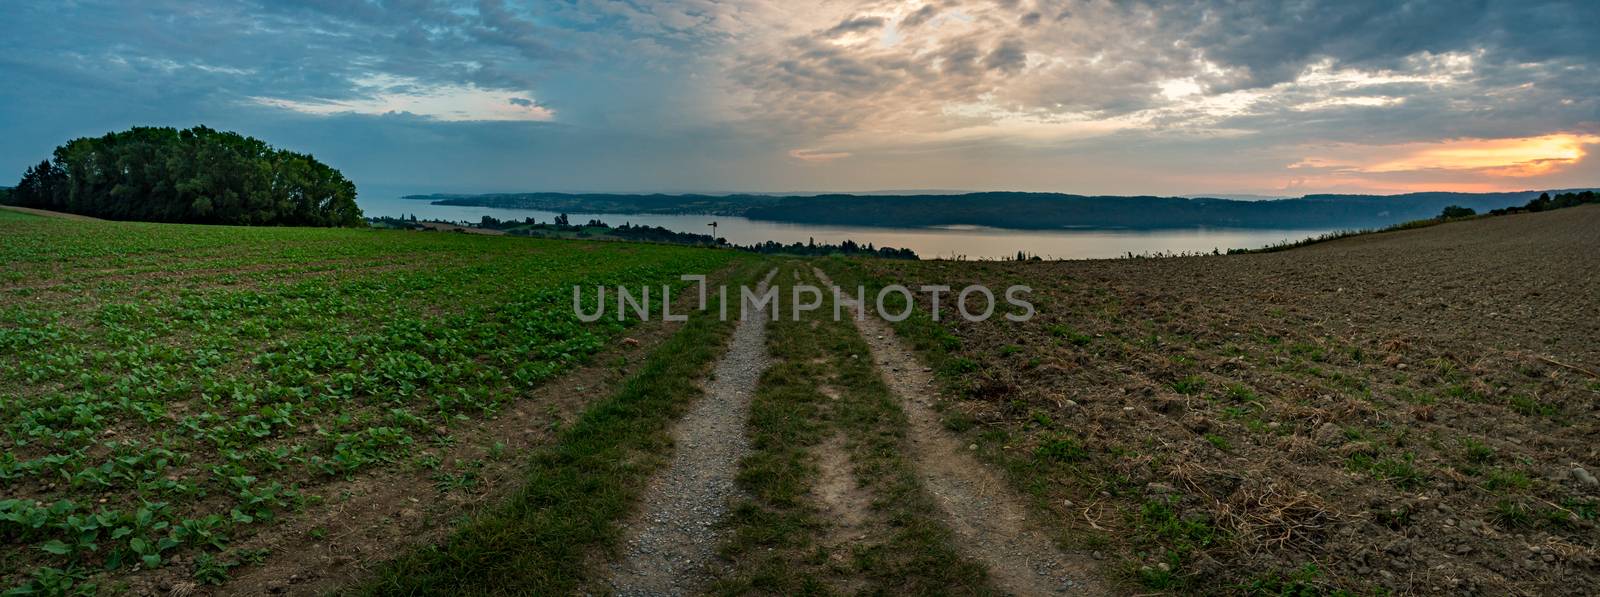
(197, 175)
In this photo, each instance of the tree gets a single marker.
(1456, 211)
(197, 175)
(1540, 204)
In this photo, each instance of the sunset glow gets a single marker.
(1131, 98)
(1498, 157)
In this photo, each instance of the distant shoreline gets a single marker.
(1011, 210)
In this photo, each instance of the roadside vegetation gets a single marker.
(170, 393)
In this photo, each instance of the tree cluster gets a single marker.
(847, 247)
(1546, 203)
(198, 175)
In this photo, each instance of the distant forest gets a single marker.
(1019, 210)
(562, 227)
(196, 175)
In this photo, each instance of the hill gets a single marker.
(197, 176)
(1018, 210)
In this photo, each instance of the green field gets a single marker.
(171, 389)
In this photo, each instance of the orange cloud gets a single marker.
(1515, 158)
(814, 155)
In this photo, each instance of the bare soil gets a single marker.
(49, 214)
(845, 506)
(1408, 412)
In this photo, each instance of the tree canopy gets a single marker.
(197, 175)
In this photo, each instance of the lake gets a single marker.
(970, 242)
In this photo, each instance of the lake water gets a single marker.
(952, 242)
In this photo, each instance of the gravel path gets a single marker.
(990, 522)
(674, 537)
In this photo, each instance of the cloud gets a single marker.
(813, 155)
(919, 16)
(855, 25)
(1007, 57)
(384, 94)
(1079, 96)
(1513, 158)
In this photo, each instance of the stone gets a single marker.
(1159, 488)
(1584, 477)
(1327, 434)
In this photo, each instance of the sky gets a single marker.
(1096, 97)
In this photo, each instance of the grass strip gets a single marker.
(579, 488)
(776, 544)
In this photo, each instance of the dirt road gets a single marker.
(673, 538)
(993, 525)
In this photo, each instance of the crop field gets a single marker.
(168, 392)
(1398, 413)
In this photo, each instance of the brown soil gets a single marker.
(1411, 411)
(845, 506)
(48, 213)
(991, 523)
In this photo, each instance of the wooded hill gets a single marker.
(198, 175)
(1017, 210)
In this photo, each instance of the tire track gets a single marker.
(671, 541)
(991, 523)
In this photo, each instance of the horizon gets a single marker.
(958, 192)
(1124, 99)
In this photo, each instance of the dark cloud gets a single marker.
(919, 16)
(853, 25)
(1008, 57)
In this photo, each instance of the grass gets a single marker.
(1477, 452)
(1174, 540)
(775, 543)
(778, 544)
(577, 490)
(1402, 471)
(170, 391)
(1061, 450)
(1189, 386)
(1498, 479)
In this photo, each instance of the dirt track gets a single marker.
(674, 537)
(1412, 411)
(992, 523)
